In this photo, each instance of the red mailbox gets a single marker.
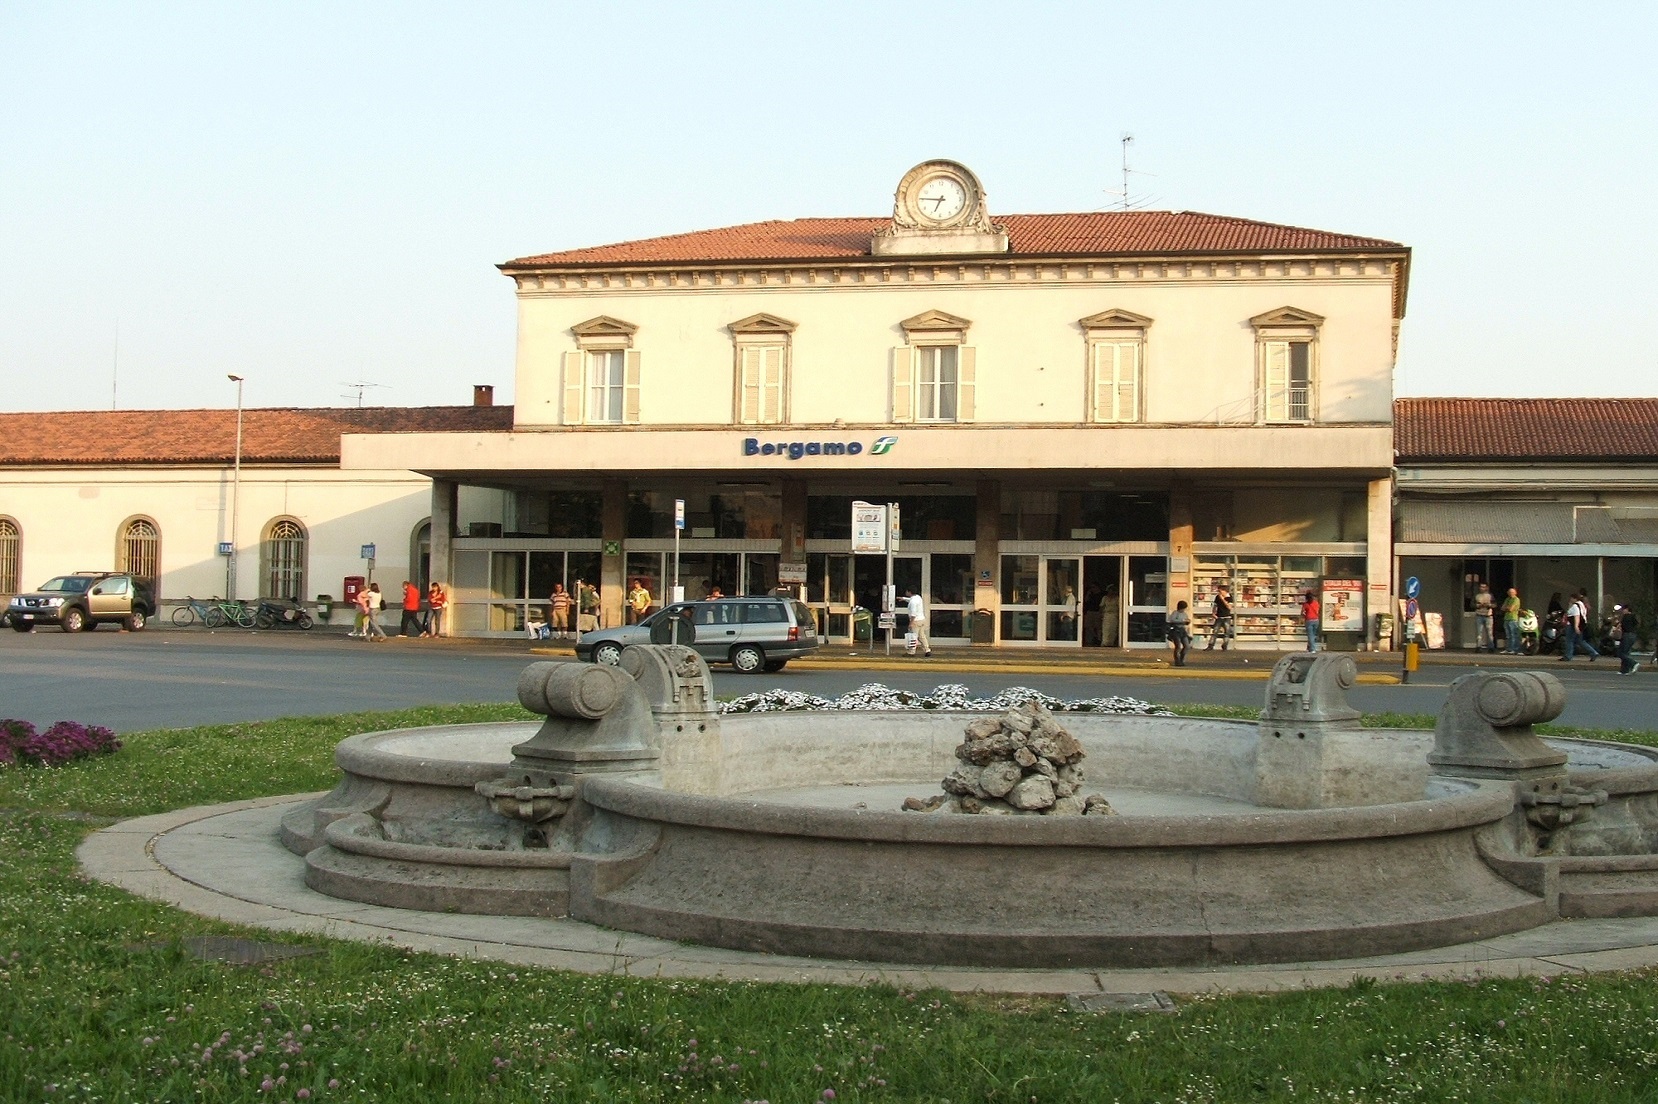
(354, 585)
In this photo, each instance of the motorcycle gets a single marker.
(1528, 632)
(1551, 636)
(273, 613)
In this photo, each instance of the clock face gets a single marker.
(941, 198)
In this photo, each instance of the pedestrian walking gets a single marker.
(1511, 622)
(411, 610)
(1180, 632)
(1628, 628)
(918, 623)
(373, 603)
(1571, 630)
(1310, 613)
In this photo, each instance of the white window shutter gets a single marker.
(966, 382)
(1276, 372)
(573, 388)
(630, 389)
(771, 384)
(1128, 382)
(903, 384)
(748, 385)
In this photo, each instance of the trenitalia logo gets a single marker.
(794, 450)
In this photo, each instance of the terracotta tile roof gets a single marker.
(1103, 233)
(269, 435)
(1508, 430)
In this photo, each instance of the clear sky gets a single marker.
(315, 194)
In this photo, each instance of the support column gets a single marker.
(1379, 566)
(1180, 545)
(987, 563)
(794, 531)
(441, 564)
(613, 568)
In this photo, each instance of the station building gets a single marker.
(1084, 419)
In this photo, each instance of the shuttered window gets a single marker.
(760, 386)
(1116, 381)
(1287, 372)
(611, 385)
(934, 383)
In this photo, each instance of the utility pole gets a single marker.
(235, 499)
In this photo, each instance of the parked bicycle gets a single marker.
(226, 612)
(193, 610)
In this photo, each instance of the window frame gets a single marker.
(294, 567)
(928, 331)
(1278, 335)
(608, 341)
(11, 554)
(125, 542)
(1114, 331)
(756, 339)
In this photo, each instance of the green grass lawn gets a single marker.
(98, 1000)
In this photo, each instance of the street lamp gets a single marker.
(235, 498)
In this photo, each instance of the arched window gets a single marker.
(11, 549)
(138, 550)
(420, 555)
(282, 560)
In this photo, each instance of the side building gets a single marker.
(158, 493)
(1084, 419)
(1549, 496)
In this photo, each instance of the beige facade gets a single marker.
(301, 529)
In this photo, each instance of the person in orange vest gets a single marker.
(411, 610)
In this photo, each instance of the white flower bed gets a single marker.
(874, 696)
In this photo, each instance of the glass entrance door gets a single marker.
(1041, 600)
(1061, 604)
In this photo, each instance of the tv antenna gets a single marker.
(359, 387)
(1124, 202)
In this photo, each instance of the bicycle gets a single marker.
(192, 611)
(229, 611)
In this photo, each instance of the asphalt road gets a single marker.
(169, 678)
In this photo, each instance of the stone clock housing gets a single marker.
(939, 209)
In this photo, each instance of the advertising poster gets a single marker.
(869, 527)
(1343, 605)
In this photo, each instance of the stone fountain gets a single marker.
(635, 805)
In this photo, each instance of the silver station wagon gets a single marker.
(751, 634)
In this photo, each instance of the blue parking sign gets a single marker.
(1413, 587)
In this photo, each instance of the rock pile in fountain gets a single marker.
(1022, 762)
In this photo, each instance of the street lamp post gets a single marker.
(235, 498)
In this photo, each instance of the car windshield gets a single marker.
(67, 584)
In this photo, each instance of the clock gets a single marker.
(940, 198)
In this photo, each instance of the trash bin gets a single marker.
(984, 627)
(863, 625)
(325, 607)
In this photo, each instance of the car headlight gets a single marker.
(54, 603)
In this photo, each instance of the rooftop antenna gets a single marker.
(1124, 201)
(115, 368)
(1128, 140)
(359, 387)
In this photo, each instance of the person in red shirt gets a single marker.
(411, 609)
(436, 600)
(1310, 613)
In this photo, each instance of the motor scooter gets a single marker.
(1528, 632)
(281, 613)
(1551, 634)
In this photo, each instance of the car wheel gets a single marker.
(73, 620)
(747, 658)
(22, 626)
(137, 621)
(775, 665)
(607, 654)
